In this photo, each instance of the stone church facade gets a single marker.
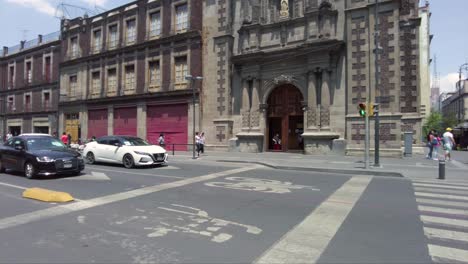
(298, 69)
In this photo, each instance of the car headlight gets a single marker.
(142, 153)
(44, 159)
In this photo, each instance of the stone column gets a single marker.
(245, 110)
(255, 119)
(141, 120)
(310, 116)
(110, 119)
(325, 101)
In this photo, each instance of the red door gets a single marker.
(125, 121)
(170, 120)
(97, 123)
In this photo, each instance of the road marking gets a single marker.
(436, 233)
(459, 164)
(443, 196)
(82, 205)
(441, 191)
(306, 242)
(440, 186)
(144, 174)
(443, 210)
(444, 221)
(95, 176)
(444, 183)
(259, 185)
(447, 253)
(13, 186)
(442, 202)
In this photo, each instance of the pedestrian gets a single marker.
(429, 138)
(197, 143)
(202, 143)
(435, 145)
(64, 138)
(449, 143)
(9, 135)
(161, 140)
(276, 142)
(54, 135)
(69, 139)
(93, 138)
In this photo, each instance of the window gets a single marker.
(97, 41)
(181, 23)
(130, 77)
(73, 86)
(27, 103)
(11, 103)
(28, 73)
(154, 74)
(96, 82)
(11, 77)
(47, 69)
(131, 31)
(111, 81)
(46, 102)
(74, 47)
(113, 36)
(180, 72)
(155, 24)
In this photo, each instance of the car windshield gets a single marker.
(44, 143)
(134, 141)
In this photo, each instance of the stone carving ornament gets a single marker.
(283, 79)
(284, 12)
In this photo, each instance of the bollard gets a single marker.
(173, 150)
(441, 169)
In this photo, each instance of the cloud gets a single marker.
(448, 82)
(95, 2)
(42, 6)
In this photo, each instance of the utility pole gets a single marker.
(377, 87)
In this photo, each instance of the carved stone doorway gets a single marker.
(285, 118)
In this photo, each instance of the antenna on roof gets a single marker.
(68, 11)
(24, 36)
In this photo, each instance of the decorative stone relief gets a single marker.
(246, 119)
(255, 118)
(324, 116)
(221, 133)
(284, 12)
(311, 117)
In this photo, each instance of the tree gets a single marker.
(433, 122)
(449, 121)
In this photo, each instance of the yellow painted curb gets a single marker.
(47, 195)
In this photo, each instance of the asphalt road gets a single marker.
(196, 211)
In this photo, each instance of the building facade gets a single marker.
(29, 86)
(124, 71)
(299, 68)
(456, 105)
(425, 60)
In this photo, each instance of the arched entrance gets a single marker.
(285, 118)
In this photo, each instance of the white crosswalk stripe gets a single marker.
(444, 212)
(443, 183)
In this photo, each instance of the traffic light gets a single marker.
(362, 109)
(371, 109)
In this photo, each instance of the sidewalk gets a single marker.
(415, 167)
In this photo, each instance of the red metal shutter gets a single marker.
(97, 123)
(170, 120)
(125, 121)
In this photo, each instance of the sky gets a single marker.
(25, 19)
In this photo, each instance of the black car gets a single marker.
(39, 155)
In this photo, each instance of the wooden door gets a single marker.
(284, 102)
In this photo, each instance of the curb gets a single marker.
(340, 171)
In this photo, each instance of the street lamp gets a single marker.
(192, 79)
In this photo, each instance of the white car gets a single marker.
(127, 150)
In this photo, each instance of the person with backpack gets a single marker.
(435, 144)
(161, 140)
(430, 138)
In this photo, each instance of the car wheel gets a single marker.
(29, 170)
(128, 161)
(90, 158)
(2, 169)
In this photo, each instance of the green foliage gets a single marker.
(433, 122)
(450, 121)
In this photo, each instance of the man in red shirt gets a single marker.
(64, 138)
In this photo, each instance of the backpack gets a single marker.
(434, 141)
